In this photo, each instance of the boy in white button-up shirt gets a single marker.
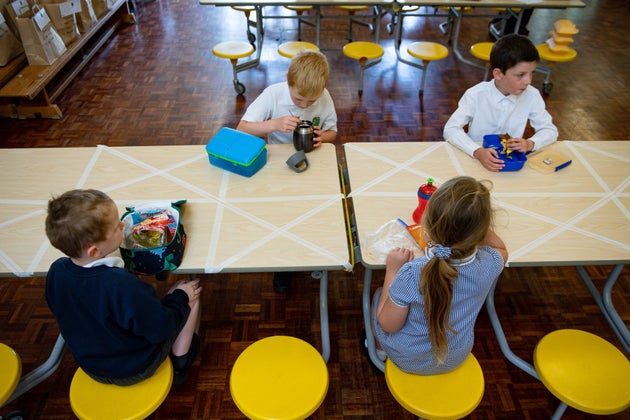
(503, 105)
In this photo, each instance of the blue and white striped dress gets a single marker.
(410, 347)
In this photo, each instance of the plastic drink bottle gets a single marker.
(424, 193)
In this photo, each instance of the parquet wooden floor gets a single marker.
(156, 82)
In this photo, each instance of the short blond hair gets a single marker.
(308, 73)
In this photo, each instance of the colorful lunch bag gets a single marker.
(153, 237)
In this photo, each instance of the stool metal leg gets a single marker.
(559, 411)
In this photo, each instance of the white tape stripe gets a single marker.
(568, 225)
(588, 167)
(454, 160)
(21, 217)
(216, 226)
(397, 167)
(88, 169)
(12, 202)
(152, 170)
(221, 201)
(283, 231)
(39, 255)
(585, 145)
(11, 265)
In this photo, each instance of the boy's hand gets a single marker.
(191, 287)
(317, 139)
(396, 258)
(520, 145)
(489, 158)
(286, 124)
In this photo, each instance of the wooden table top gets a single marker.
(277, 220)
(547, 4)
(579, 215)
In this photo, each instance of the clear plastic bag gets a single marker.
(392, 234)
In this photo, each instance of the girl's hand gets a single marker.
(397, 257)
(286, 124)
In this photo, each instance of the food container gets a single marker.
(514, 161)
(237, 152)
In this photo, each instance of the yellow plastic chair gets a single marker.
(233, 51)
(10, 374)
(352, 11)
(451, 395)
(247, 11)
(279, 377)
(290, 48)
(481, 50)
(583, 371)
(300, 10)
(92, 400)
(366, 53)
(11, 368)
(396, 17)
(552, 58)
(446, 27)
(427, 52)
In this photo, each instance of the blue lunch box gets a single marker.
(513, 162)
(237, 152)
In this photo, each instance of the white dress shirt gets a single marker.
(488, 111)
(275, 102)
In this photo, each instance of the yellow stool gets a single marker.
(584, 371)
(481, 50)
(11, 368)
(10, 374)
(233, 50)
(279, 377)
(552, 58)
(446, 27)
(247, 10)
(427, 52)
(290, 48)
(352, 10)
(299, 10)
(397, 17)
(90, 399)
(449, 395)
(368, 54)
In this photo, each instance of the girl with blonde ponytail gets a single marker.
(425, 313)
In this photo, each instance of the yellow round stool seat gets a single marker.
(297, 7)
(243, 8)
(290, 48)
(427, 51)
(450, 395)
(279, 377)
(363, 50)
(584, 371)
(481, 50)
(233, 49)
(353, 9)
(90, 399)
(548, 55)
(11, 368)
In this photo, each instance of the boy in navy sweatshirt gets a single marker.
(116, 327)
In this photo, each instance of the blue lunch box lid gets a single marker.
(235, 146)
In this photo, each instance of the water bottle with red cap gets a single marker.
(424, 193)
